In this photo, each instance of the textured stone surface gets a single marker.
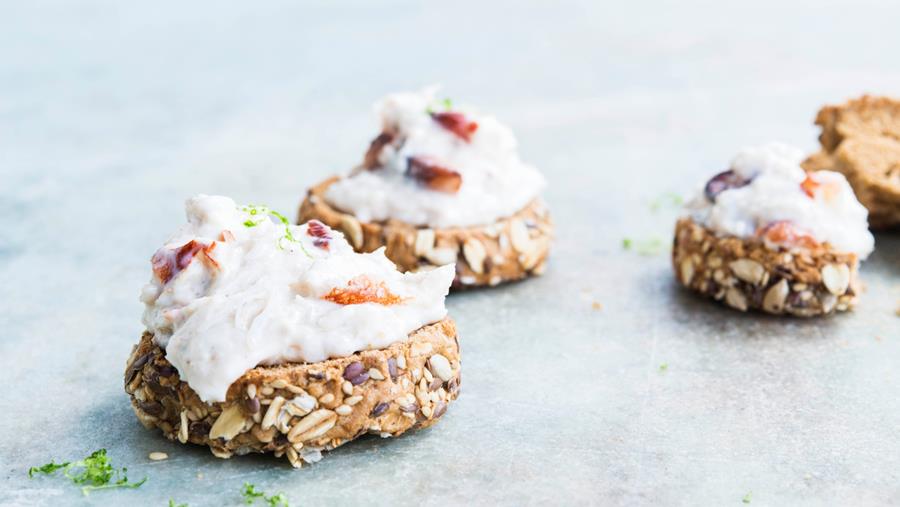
(112, 113)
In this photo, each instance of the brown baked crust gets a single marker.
(747, 275)
(867, 116)
(819, 161)
(510, 249)
(861, 139)
(298, 409)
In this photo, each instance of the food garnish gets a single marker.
(370, 161)
(92, 473)
(316, 230)
(457, 123)
(432, 175)
(783, 232)
(650, 246)
(167, 263)
(251, 494)
(723, 181)
(809, 185)
(361, 290)
(666, 200)
(260, 213)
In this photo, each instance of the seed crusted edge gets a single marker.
(484, 255)
(745, 275)
(307, 409)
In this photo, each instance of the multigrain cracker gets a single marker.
(861, 139)
(299, 410)
(509, 249)
(747, 275)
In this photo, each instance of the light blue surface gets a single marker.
(112, 113)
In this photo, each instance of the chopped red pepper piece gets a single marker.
(370, 161)
(810, 185)
(432, 175)
(361, 290)
(456, 123)
(167, 263)
(785, 233)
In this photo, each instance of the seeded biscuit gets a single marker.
(819, 161)
(747, 275)
(510, 249)
(867, 116)
(299, 410)
(861, 139)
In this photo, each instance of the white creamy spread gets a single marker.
(495, 182)
(776, 191)
(234, 289)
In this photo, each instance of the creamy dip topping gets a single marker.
(767, 194)
(438, 166)
(238, 287)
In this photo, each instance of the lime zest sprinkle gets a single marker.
(652, 246)
(263, 212)
(93, 473)
(447, 104)
(251, 494)
(666, 200)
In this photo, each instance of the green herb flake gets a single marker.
(666, 200)
(663, 367)
(747, 497)
(265, 211)
(92, 473)
(447, 104)
(251, 494)
(173, 504)
(647, 247)
(49, 468)
(279, 500)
